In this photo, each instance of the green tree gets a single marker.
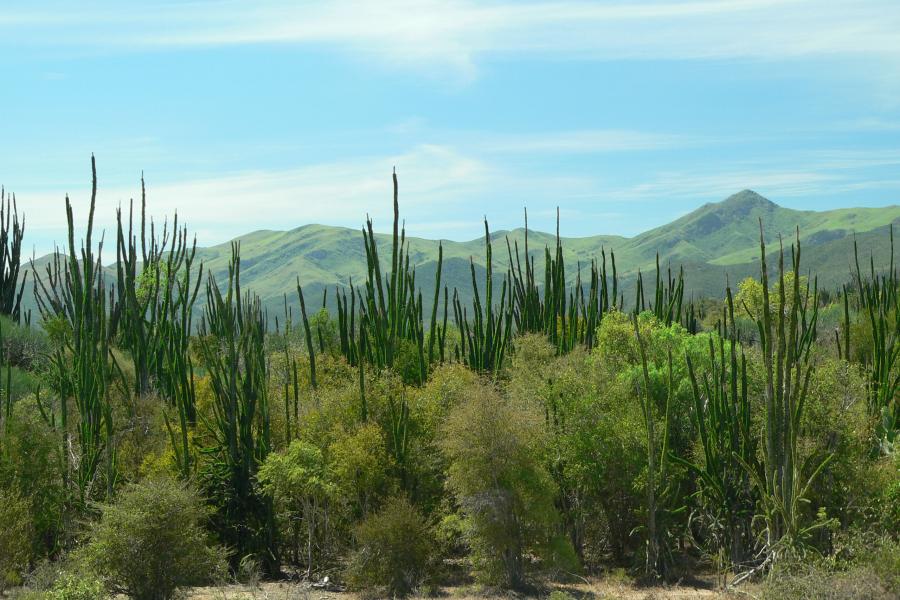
(301, 486)
(503, 490)
(152, 541)
(394, 550)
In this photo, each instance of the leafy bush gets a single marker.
(23, 347)
(15, 537)
(29, 464)
(863, 567)
(77, 586)
(394, 550)
(299, 483)
(152, 541)
(501, 485)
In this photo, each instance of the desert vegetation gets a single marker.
(160, 429)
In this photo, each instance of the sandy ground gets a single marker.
(592, 589)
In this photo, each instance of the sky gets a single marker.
(273, 114)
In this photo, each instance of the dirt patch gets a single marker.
(591, 589)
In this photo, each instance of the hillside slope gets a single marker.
(716, 240)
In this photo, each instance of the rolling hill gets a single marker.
(716, 241)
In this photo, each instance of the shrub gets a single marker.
(152, 541)
(394, 550)
(863, 567)
(29, 463)
(77, 586)
(504, 491)
(298, 481)
(23, 347)
(15, 537)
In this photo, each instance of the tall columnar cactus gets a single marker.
(485, 340)
(11, 232)
(879, 304)
(390, 314)
(668, 296)
(787, 331)
(722, 418)
(234, 355)
(154, 302)
(564, 315)
(82, 364)
(663, 496)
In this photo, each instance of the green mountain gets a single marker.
(716, 241)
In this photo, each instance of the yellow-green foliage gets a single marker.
(494, 446)
(360, 463)
(394, 550)
(152, 541)
(749, 299)
(15, 537)
(29, 464)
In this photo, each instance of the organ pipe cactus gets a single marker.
(82, 365)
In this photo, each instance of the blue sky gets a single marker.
(273, 114)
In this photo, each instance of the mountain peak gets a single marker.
(748, 199)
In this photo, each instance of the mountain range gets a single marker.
(716, 241)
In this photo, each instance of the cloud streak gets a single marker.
(459, 33)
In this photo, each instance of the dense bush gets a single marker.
(863, 569)
(15, 538)
(29, 464)
(152, 541)
(24, 347)
(503, 490)
(302, 487)
(394, 550)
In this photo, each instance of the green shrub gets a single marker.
(77, 586)
(15, 538)
(863, 567)
(23, 347)
(394, 550)
(502, 487)
(152, 541)
(300, 485)
(29, 463)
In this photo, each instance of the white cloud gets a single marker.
(457, 33)
(339, 193)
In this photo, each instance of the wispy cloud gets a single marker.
(459, 32)
(339, 193)
(585, 141)
(446, 188)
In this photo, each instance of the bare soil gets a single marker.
(590, 589)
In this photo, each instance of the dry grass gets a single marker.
(591, 589)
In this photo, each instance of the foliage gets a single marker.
(504, 492)
(152, 541)
(15, 537)
(394, 550)
(863, 569)
(29, 463)
(24, 347)
(76, 586)
(74, 290)
(238, 426)
(300, 484)
(359, 463)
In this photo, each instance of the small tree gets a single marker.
(152, 541)
(395, 547)
(15, 537)
(298, 482)
(503, 490)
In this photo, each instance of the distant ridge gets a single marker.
(715, 240)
